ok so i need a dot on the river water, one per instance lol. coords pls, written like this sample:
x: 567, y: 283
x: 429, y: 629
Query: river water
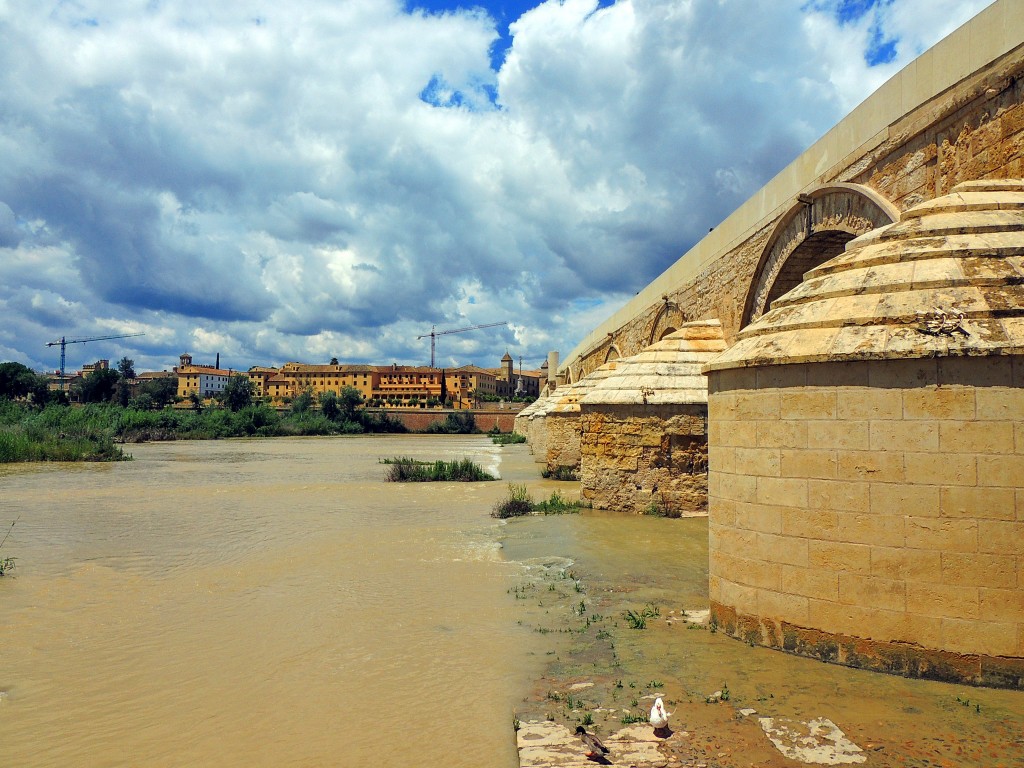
x: 260, y: 603
x: 277, y: 603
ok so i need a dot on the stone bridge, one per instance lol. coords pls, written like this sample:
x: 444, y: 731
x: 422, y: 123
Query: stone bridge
x: 835, y: 376
x: 954, y: 114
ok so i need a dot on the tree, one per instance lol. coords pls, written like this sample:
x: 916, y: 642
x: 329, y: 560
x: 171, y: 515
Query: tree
x: 334, y: 361
x: 443, y: 397
x: 142, y: 402
x: 99, y: 386
x: 302, y: 401
x: 162, y: 390
x: 349, y: 401
x: 17, y: 380
x: 126, y: 367
x: 238, y: 392
x: 329, y: 404
x: 122, y: 392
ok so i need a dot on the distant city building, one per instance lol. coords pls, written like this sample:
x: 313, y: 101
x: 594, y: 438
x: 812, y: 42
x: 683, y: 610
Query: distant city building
x: 380, y: 385
x: 509, y: 384
x: 202, y: 380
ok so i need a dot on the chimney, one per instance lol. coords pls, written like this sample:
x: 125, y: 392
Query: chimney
x: 217, y: 364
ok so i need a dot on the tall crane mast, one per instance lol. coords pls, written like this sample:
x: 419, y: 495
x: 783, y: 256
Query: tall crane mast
x: 63, y: 342
x: 434, y: 334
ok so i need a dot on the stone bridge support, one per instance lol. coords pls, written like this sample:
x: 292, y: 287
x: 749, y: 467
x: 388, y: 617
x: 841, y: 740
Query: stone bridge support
x: 866, y: 498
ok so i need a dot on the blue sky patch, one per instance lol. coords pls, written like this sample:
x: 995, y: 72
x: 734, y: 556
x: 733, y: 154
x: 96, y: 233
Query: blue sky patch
x: 881, y: 50
x: 852, y: 10
x: 504, y: 12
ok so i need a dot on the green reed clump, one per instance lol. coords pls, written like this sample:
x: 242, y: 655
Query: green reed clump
x: 42, y: 436
x: 405, y: 470
x: 519, y: 502
x: 556, y: 505
x: 510, y: 438
x: 561, y: 472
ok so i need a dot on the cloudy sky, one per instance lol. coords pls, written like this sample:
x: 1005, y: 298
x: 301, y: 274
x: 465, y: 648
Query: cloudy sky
x: 278, y: 181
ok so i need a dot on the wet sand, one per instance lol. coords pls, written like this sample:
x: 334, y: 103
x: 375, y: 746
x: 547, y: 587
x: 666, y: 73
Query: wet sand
x: 588, y: 570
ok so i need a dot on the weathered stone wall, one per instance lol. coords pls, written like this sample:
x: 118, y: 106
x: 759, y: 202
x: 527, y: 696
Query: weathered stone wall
x: 563, y: 441
x: 419, y: 420
x: 538, y: 437
x: 974, y: 130
x: 641, y: 458
x: 872, y: 513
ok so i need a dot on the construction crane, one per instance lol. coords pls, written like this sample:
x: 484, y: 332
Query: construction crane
x: 434, y: 334
x: 64, y: 342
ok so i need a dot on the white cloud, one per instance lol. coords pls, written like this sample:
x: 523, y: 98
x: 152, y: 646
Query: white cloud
x: 329, y: 179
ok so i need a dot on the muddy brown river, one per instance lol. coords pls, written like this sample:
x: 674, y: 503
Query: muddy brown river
x: 276, y: 603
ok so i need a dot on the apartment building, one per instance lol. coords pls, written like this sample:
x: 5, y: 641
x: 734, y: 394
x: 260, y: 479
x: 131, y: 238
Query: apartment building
x: 202, y: 380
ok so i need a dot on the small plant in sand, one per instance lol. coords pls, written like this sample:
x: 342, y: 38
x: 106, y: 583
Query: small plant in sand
x: 638, y: 619
x: 7, y: 563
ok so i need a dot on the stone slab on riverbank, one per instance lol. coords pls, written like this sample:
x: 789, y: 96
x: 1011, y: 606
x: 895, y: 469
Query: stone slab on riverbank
x: 546, y: 744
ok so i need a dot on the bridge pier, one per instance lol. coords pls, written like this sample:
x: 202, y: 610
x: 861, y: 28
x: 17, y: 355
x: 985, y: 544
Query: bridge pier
x: 866, y: 486
x: 867, y: 470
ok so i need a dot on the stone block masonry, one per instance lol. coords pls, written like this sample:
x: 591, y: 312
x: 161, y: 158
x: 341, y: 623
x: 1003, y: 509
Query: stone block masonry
x: 903, y: 553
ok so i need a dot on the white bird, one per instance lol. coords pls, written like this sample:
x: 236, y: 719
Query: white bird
x: 659, y: 717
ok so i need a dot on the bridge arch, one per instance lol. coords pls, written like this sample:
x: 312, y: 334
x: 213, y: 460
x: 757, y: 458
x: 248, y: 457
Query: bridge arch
x: 612, y: 353
x: 667, y: 321
x: 815, y: 229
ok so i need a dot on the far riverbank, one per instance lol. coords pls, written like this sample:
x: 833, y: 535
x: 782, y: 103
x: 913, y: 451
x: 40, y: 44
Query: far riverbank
x: 96, y: 432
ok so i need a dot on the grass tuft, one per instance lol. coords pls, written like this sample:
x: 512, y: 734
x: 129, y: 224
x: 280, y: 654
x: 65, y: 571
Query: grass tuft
x: 405, y: 470
x: 511, y: 438
x: 519, y: 503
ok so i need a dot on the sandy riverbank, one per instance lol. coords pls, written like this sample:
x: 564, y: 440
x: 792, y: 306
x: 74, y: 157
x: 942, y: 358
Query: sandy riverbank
x: 588, y: 571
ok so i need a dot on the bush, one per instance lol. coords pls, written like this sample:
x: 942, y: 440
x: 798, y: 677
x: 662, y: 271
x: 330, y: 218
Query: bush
x: 459, y: 423
x: 517, y: 504
x: 406, y: 470
x: 512, y: 438
x: 556, y: 505
x: 561, y: 472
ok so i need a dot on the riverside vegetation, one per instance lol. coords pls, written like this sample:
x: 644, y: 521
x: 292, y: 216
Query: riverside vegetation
x: 519, y: 502
x: 403, y: 469
x: 93, y: 432
x: 39, y: 425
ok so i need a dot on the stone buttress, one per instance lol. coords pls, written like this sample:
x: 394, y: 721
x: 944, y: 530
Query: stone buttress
x: 644, y: 439
x: 867, y: 451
